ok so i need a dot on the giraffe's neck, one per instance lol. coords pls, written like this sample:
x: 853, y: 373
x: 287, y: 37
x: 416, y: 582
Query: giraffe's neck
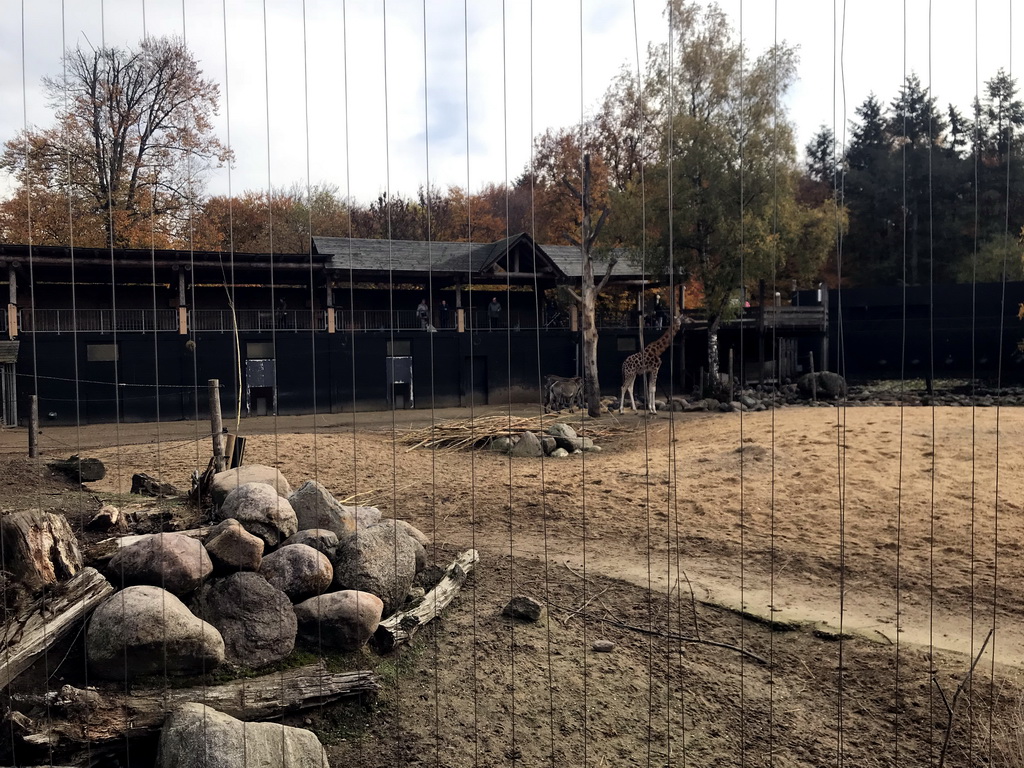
x: 658, y: 346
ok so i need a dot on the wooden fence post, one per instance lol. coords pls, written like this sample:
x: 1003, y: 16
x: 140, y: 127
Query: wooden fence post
x: 33, y: 427
x: 216, y: 426
x: 732, y: 389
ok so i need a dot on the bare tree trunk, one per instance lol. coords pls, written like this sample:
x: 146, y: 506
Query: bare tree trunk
x: 591, y: 383
x: 713, y: 357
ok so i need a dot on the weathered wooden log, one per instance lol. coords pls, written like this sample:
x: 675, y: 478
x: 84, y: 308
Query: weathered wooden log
x: 101, y: 552
x: 40, y: 549
x: 146, y: 485
x: 47, y: 620
x: 399, y: 628
x: 78, y: 469
x: 80, y: 717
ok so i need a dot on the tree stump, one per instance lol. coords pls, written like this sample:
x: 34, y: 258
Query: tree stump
x: 146, y: 485
x: 40, y: 548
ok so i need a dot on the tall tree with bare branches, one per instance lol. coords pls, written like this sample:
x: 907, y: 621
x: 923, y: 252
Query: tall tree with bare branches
x: 132, y: 142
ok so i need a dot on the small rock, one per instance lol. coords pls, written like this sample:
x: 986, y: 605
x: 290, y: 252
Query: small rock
x: 561, y: 429
x: 232, y: 548
x: 342, y: 620
x: 525, y: 608
x: 320, y: 539
x: 528, y: 447
x: 559, y: 453
x: 603, y: 646
x: 298, y: 570
x: 501, y: 444
x: 548, y: 443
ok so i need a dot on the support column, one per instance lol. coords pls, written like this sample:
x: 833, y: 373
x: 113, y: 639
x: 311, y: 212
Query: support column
x: 460, y: 313
x: 12, y: 302
x: 331, y: 319
x: 574, y: 318
x: 182, y: 309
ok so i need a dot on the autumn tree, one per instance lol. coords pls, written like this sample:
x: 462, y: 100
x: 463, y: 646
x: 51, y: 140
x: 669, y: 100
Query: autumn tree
x: 132, y: 141
x: 720, y: 191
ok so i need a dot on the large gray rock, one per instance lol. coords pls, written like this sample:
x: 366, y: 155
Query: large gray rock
x: 315, y: 507
x: 255, y: 618
x: 380, y: 560
x: 561, y: 429
x: 344, y: 620
x: 173, y: 561
x: 528, y: 447
x: 146, y: 630
x: 827, y: 385
x: 320, y: 539
x: 196, y: 736
x: 413, y: 531
x: 232, y: 548
x: 225, y: 482
x: 298, y: 570
x: 261, y: 512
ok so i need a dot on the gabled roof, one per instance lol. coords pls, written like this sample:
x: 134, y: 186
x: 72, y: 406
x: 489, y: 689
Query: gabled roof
x: 557, y: 262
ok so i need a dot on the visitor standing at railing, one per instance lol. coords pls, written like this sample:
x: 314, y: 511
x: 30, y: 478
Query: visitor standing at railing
x: 494, y: 313
x: 423, y: 313
x: 442, y: 314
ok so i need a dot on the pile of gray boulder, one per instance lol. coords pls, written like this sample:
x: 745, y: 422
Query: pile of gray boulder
x: 560, y: 440
x: 279, y: 567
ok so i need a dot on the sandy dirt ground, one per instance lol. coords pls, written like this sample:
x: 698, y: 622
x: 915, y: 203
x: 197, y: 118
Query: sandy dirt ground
x: 888, y: 540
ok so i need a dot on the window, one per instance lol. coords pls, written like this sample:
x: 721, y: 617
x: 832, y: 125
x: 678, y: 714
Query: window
x: 401, y: 348
x: 259, y: 350
x: 101, y: 353
x: 626, y: 344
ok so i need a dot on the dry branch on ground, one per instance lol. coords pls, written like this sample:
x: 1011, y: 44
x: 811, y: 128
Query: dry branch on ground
x: 465, y: 434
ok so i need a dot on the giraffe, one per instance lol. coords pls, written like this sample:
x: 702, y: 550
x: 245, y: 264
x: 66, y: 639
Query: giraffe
x: 647, y: 361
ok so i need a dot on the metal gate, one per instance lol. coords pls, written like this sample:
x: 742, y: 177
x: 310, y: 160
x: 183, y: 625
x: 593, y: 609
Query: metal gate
x: 9, y: 395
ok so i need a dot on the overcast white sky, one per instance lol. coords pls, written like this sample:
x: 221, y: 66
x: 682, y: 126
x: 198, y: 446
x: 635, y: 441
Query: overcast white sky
x: 298, y: 117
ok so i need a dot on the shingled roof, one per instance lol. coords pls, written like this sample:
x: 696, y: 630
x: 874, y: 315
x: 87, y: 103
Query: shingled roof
x: 414, y: 257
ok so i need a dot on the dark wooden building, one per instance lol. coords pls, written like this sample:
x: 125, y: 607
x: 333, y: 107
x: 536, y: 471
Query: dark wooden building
x: 108, y: 334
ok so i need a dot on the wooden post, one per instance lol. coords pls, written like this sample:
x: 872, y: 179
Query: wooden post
x: 460, y: 313
x: 574, y: 318
x: 332, y: 321
x: 12, y: 302
x: 760, y: 331
x: 33, y: 427
x: 182, y: 309
x: 216, y: 426
x: 814, y: 379
x: 732, y: 389
x: 824, y: 335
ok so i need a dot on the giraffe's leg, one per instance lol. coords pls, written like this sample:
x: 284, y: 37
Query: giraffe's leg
x: 652, y: 386
x: 627, y: 384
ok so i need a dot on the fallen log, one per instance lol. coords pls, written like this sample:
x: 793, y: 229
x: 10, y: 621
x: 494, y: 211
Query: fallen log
x: 47, y: 620
x: 79, y: 470
x: 90, y: 718
x: 399, y: 628
x: 101, y: 552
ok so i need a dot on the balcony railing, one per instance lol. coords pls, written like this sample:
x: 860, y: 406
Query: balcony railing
x: 257, y: 320
x: 96, y: 320
x: 370, y: 320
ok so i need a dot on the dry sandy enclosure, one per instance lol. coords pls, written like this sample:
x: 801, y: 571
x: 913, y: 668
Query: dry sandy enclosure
x: 860, y: 556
